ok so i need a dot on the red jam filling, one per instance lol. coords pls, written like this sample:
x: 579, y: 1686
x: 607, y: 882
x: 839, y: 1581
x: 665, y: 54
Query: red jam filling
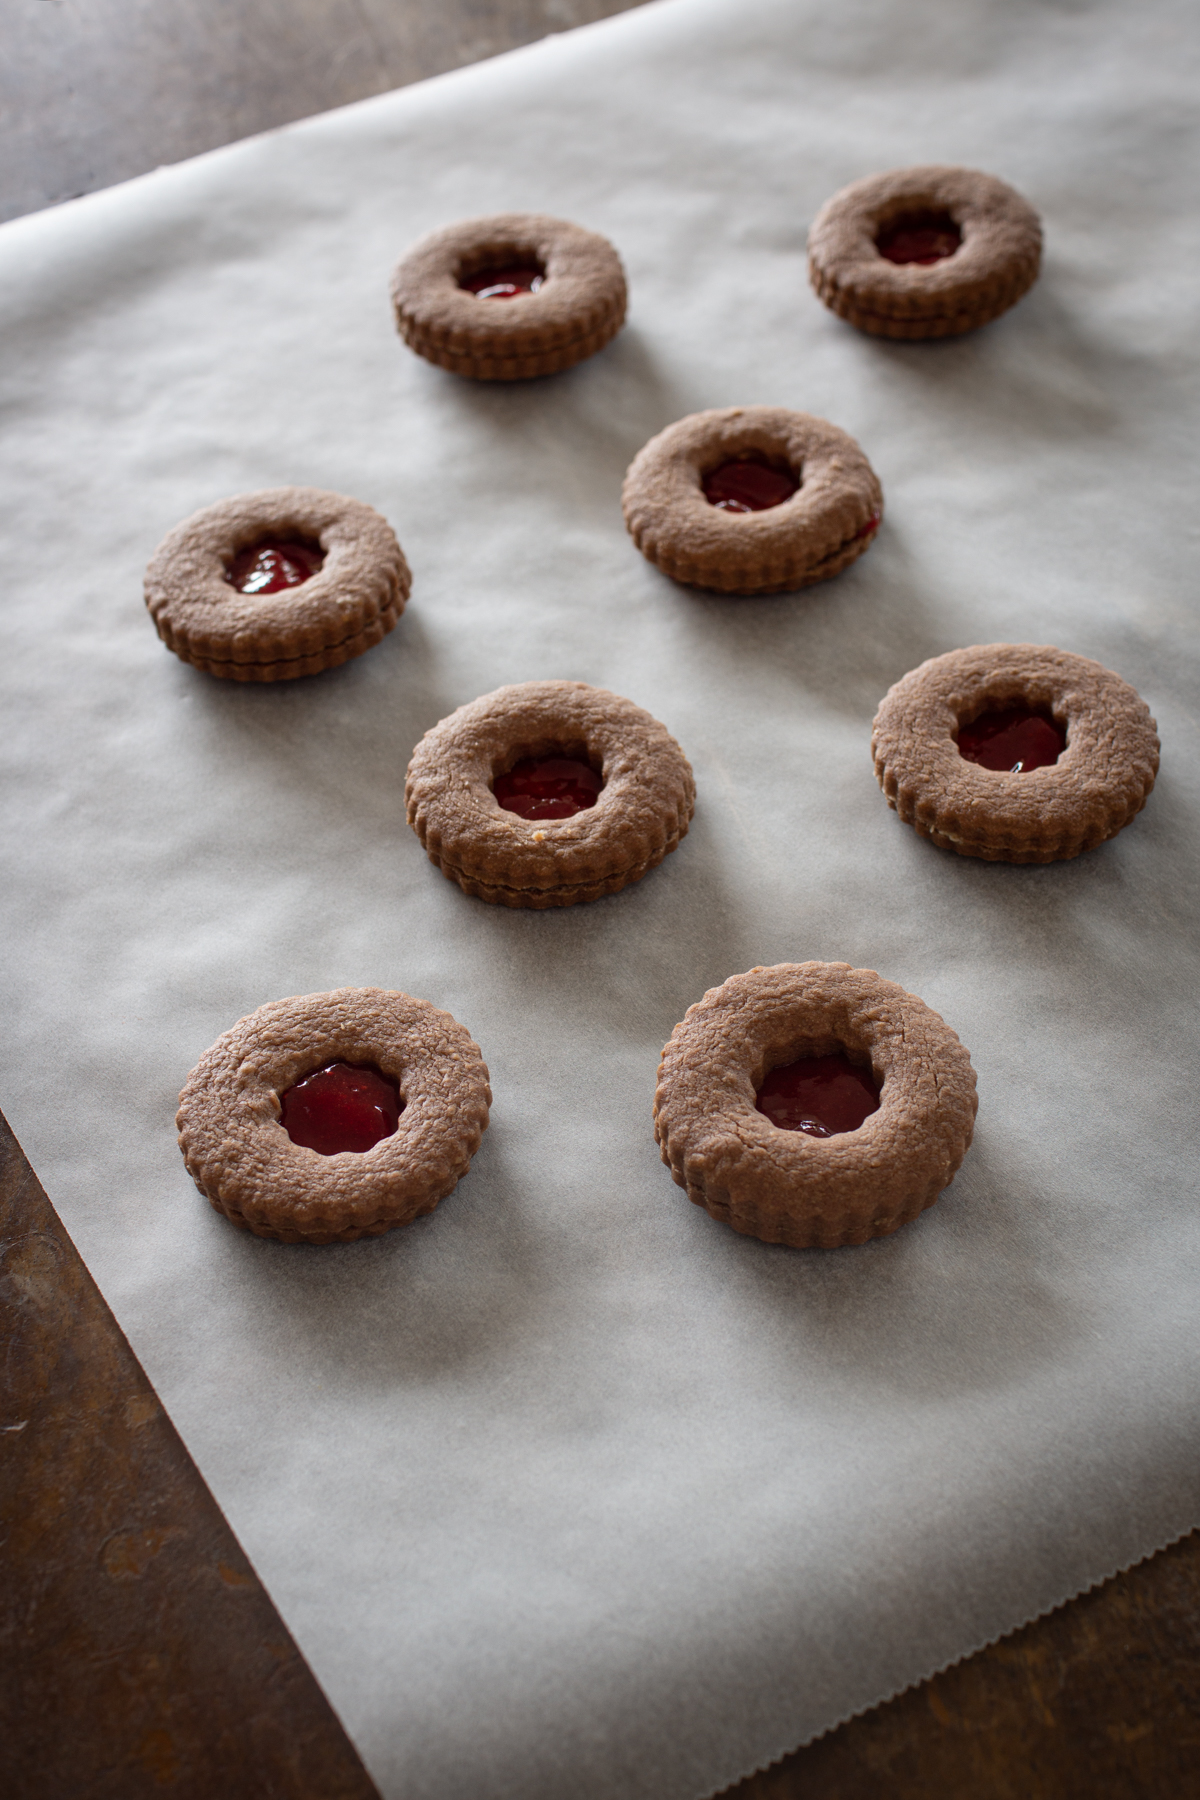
x: 547, y: 787
x: 344, y: 1106
x: 505, y: 283
x: 928, y: 238
x: 273, y: 565
x: 746, y: 486
x: 819, y: 1095
x: 1015, y: 740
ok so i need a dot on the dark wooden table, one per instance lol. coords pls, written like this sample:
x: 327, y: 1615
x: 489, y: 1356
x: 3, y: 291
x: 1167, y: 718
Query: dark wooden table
x: 140, y: 1654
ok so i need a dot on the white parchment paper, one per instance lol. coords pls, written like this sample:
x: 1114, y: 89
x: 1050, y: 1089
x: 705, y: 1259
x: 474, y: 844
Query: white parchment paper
x: 568, y: 1489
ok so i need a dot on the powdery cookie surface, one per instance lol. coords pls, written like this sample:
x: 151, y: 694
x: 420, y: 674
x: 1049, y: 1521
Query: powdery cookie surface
x: 996, y: 262
x: 351, y: 603
x: 1100, y: 782
x: 244, y: 1162
x: 642, y: 811
x: 826, y: 524
x: 784, y: 1186
x: 580, y: 306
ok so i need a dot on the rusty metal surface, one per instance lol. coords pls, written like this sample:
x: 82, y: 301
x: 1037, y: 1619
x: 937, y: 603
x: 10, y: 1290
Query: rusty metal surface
x: 139, y: 1653
x: 1099, y: 1699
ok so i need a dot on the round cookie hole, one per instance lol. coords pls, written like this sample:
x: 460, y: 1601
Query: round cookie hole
x: 1012, y: 740
x: 750, y: 483
x: 271, y: 564
x: 520, y: 273
x: 549, y: 782
x: 341, y: 1107
x: 923, y: 237
x: 823, y: 1095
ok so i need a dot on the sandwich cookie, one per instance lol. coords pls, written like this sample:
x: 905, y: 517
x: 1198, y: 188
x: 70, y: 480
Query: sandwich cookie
x: 752, y: 500
x: 509, y: 297
x: 1015, y: 753
x: 813, y: 1104
x: 548, y: 793
x: 335, y: 1116
x: 924, y: 253
x: 269, y: 586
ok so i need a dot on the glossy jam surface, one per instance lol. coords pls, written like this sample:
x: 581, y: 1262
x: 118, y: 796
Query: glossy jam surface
x: 926, y: 238
x: 274, y: 564
x: 505, y: 283
x: 746, y: 486
x: 344, y: 1106
x: 547, y: 787
x: 1015, y: 740
x: 819, y: 1095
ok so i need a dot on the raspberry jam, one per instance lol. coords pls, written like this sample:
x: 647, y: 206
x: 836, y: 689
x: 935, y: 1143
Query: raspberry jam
x: 746, y: 486
x: 547, y: 787
x: 505, y: 283
x: 925, y: 238
x: 344, y: 1106
x: 819, y: 1095
x: 1015, y: 740
x: 274, y: 564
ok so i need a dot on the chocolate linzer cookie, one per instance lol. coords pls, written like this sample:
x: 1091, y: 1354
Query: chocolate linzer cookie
x: 1015, y: 752
x: 330, y: 1117
x: 272, y: 585
x: 813, y: 1104
x: 924, y: 253
x: 548, y: 793
x: 752, y: 500
x: 508, y: 297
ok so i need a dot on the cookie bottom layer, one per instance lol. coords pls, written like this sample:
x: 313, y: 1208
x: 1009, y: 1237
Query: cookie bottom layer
x: 925, y: 325
x: 478, y: 367
x: 289, y: 669
x: 1063, y: 849
x: 325, y: 1231
x: 780, y: 1225
x: 568, y: 894
x: 760, y: 586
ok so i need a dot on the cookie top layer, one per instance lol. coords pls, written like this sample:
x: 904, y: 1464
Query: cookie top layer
x: 1100, y: 782
x: 826, y: 524
x: 784, y: 1186
x: 578, y: 308
x: 996, y: 261
x: 357, y: 594
x: 640, y: 814
x: 244, y: 1162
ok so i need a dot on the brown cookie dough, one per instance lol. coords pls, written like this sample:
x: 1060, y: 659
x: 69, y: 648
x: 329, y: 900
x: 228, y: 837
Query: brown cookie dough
x: 577, y: 309
x: 996, y: 260
x: 784, y: 1186
x: 826, y: 524
x: 350, y: 603
x: 1100, y: 782
x: 642, y: 811
x: 244, y: 1162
